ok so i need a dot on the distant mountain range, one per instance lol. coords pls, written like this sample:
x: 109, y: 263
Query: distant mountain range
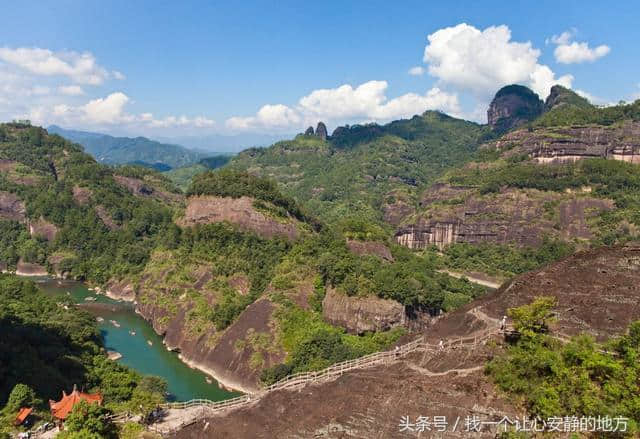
x: 139, y: 150
x: 227, y: 143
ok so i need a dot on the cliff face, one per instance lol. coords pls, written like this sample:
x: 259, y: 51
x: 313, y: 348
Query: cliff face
x: 29, y: 269
x: 512, y: 106
x: 235, y: 357
x: 238, y: 211
x: 455, y: 214
x: 43, y: 229
x: 143, y: 188
x: 362, y: 314
x: 596, y: 292
x: 177, y: 301
x: 560, y: 95
x: 370, y: 248
x: 11, y: 207
x: 548, y: 145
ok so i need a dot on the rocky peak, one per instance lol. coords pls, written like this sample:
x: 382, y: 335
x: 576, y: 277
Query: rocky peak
x: 309, y: 132
x: 512, y: 106
x: 321, y: 131
x: 563, y: 96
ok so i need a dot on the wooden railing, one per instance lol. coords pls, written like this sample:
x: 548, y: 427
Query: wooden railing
x: 301, y: 379
x: 210, y: 405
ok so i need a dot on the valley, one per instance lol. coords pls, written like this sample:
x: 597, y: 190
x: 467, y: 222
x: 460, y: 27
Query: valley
x: 324, y: 249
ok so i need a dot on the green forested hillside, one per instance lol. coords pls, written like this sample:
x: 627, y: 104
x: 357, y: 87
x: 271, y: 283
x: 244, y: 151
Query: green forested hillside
x: 182, y: 176
x: 358, y: 167
x: 90, y: 249
x: 575, y: 113
x: 104, y: 231
x: 120, y: 150
x: 200, y: 278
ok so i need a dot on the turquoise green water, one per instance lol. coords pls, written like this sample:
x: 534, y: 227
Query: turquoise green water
x: 140, y: 346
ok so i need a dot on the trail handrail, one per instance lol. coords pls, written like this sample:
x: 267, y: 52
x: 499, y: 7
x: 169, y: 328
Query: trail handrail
x: 301, y: 379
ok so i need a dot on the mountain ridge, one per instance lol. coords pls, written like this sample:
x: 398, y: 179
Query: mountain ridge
x: 122, y: 150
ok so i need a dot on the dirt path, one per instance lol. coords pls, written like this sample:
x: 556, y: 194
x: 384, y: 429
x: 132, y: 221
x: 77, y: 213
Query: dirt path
x: 427, y: 372
x: 471, y: 278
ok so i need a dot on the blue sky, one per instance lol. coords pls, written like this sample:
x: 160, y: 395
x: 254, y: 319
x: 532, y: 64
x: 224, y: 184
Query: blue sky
x: 195, y: 68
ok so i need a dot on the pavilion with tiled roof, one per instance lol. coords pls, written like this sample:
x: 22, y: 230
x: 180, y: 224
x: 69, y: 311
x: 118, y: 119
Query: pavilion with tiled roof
x: 61, y: 409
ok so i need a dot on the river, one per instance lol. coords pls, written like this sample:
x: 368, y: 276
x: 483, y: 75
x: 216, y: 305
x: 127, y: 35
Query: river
x: 142, y: 349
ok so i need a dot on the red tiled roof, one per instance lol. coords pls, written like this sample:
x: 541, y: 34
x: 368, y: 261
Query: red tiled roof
x: 22, y: 415
x: 62, y: 408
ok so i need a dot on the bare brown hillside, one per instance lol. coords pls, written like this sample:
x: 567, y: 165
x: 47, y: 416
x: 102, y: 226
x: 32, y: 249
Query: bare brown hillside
x: 597, y: 291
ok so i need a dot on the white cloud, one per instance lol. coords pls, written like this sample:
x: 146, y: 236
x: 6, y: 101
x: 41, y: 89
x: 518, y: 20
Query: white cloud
x: 482, y: 61
x: 416, y: 71
x: 80, y: 67
x: 70, y: 90
x: 571, y: 52
x: 118, y: 75
x: 366, y: 102
x: 412, y: 103
x: 268, y: 117
x: 579, y: 53
x: 345, y: 101
x: 563, y: 38
x: 107, y: 110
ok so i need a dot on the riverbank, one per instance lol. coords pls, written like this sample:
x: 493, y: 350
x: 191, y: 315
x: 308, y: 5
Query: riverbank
x: 129, y: 334
x: 223, y: 381
x: 227, y: 384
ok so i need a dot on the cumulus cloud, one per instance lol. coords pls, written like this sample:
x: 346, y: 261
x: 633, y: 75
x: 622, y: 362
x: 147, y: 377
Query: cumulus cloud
x: 80, y: 67
x: 119, y: 75
x: 70, y: 90
x: 564, y: 38
x: 107, y: 110
x: 268, y: 117
x: 345, y: 103
x: 579, y: 53
x: 105, y: 113
x: 482, y: 61
x: 573, y: 52
x: 416, y: 71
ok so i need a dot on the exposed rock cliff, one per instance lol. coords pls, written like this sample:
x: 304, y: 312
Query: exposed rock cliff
x: 238, y: 211
x: 11, y: 207
x: 512, y: 106
x: 106, y: 218
x: 30, y: 269
x: 597, y: 292
x: 545, y: 145
x: 370, y: 248
x: 457, y: 214
x: 560, y: 95
x: 235, y: 356
x: 142, y: 188
x: 121, y: 290
x: 321, y: 131
x: 43, y: 229
x: 362, y: 314
x: 81, y: 195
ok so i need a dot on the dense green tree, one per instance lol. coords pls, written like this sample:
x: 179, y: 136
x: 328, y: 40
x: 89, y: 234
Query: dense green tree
x: 89, y: 420
x: 21, y: 396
